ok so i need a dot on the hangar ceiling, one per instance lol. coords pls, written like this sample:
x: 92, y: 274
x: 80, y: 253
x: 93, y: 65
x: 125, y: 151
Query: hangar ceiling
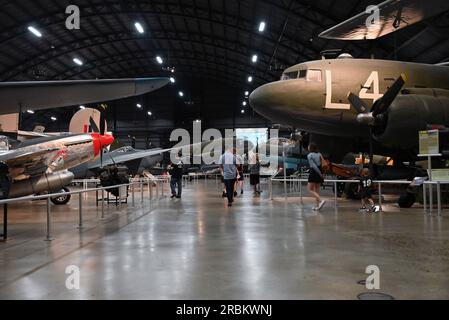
x: 210, y: 44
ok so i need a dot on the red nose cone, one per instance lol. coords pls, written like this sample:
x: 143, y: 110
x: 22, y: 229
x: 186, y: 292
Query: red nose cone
x: 106, y: 140
x: 101, y: 142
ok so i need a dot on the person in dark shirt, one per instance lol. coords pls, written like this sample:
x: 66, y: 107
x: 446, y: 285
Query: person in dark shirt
x: 176, y: 171
x: 366, y: 191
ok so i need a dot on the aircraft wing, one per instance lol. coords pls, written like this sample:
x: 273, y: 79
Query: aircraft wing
x: 111, y: 158
x: 394, y: 15
x: 37, y: 95
x: 27, y: 163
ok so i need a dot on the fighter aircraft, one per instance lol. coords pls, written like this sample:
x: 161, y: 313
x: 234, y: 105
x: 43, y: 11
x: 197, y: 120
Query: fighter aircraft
x: 40, y: 165
x: 136, y: 161
x: 392, y: 101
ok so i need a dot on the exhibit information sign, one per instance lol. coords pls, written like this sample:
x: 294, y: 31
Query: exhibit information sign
x: 441, y: 175
x: 429, y: 142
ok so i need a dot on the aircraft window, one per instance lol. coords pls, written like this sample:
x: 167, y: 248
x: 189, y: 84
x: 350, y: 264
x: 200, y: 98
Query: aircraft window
x: 302, y: 73
x: 290, y: 75
x: 314, y: 75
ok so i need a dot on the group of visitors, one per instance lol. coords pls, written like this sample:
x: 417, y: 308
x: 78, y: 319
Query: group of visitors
x: 231, y: 167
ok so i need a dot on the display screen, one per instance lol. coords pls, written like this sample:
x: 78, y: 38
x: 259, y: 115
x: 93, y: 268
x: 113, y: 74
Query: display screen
x: 256, y: 136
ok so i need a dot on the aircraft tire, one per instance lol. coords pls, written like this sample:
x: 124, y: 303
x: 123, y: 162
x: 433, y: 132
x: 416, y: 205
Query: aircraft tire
x: 63, y: 200
x: 407, y: 200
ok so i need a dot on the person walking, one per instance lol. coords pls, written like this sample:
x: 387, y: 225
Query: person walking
x: 228, y: 167
x: 176, y: 171
x: 254, y: 177
x: 240, y: 176
x: 316, y: 176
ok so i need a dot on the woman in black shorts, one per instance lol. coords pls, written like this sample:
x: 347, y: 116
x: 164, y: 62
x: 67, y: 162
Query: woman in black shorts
x: 316, y: 177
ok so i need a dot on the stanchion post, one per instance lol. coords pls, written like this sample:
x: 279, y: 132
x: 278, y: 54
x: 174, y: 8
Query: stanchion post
x: 80, y: 205
x: 380, y: 195
x: 49, y: 237
x: 102, y: 203
x: 141, y: 190
x: 424, y: 195
x: 133, y: 197
x: 439, y: 197
x: 335, y: 194
x: 5, y: 221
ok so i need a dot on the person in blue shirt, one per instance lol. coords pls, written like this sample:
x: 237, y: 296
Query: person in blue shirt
x: 316, y: 176
x: 228, y: 167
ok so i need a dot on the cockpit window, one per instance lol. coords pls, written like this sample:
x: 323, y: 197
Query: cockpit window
x: 314, y: 75
x: 290, y: 75
x: 302, y: 73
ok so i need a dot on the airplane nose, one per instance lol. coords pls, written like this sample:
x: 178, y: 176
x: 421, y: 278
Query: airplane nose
x: 268, y: 98
x: 106, y: 140
x: 278, y: 100
x: 101, y: 141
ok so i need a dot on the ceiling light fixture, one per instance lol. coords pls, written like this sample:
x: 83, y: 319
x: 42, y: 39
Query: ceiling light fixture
x: 159, y: 60
x: 139, y: 106
x: 262, y: 26
x: 78, y: 61
x: 246, y: 93
x: 254, y: 58
x: 250, y: 79
x: 172, y: 80
x: 30, y: 111
x: 34, y: 31
x: 181, y: 94
x: 53, y: 118
x: 139, y: 27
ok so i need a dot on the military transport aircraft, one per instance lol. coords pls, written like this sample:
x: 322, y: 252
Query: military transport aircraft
x: 316, y: 97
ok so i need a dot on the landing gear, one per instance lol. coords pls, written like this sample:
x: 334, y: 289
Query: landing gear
x: 62, y: 200
x: 407, y: 200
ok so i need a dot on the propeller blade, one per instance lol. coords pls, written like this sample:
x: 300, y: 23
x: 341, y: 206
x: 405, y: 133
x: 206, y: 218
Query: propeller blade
x: 382, y: 105
x: 357, y: 103
x: 102, y: 123
x: 93, y: 125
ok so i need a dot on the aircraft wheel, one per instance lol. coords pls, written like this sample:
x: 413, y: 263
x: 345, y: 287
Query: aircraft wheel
x: 407, y: 200
x: 62, y: 200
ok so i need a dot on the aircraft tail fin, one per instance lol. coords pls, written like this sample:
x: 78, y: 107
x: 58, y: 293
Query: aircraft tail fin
x: 86, y: 121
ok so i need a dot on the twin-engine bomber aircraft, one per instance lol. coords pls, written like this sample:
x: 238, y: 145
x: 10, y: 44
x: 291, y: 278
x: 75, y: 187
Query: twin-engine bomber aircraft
x: 392, y: 101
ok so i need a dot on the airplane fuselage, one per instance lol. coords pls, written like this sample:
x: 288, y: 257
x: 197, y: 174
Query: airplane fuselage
x: 312, y: 96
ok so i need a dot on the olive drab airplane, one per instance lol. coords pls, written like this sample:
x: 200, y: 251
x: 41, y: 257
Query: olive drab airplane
x: 345, y: 102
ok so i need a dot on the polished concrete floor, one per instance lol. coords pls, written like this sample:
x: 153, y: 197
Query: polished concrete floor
x: 197, y: 248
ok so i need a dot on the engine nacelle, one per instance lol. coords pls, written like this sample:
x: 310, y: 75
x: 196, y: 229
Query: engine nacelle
x: 46, y: 183
x: 408, y: 115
